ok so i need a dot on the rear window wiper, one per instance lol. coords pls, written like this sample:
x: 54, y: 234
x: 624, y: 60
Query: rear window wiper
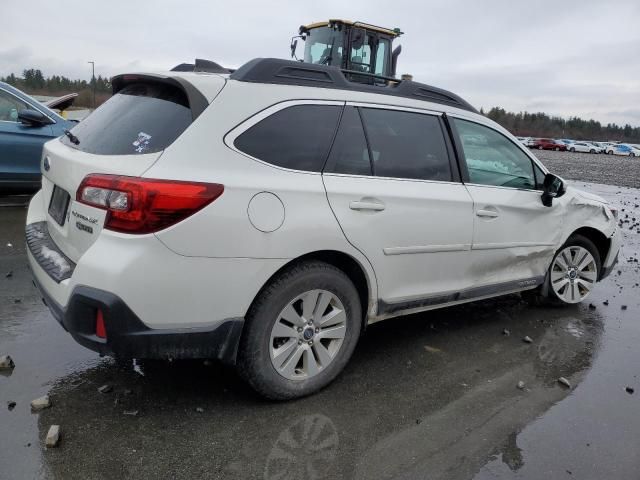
x: 72, y: 137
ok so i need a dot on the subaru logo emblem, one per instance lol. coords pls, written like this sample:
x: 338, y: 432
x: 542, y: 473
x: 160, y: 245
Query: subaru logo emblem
x: 46, y: 164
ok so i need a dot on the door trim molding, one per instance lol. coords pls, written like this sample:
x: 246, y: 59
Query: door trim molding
x: 426, y: 249
x: 473, y: 293
x: 496, y: 246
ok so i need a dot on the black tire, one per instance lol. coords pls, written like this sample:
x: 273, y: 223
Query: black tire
x: 544, y: 294
x: 254, y: 361
x: 540, y: 147
x: 572, y: 149
x: 557, y: 149
x: 632, y: 154
x: 592, y: 151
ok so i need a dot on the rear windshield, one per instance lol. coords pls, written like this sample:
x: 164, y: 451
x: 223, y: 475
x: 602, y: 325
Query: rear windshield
x: 140, y: 118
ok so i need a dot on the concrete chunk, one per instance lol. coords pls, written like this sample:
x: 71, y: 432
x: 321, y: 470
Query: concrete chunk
x: 53, y: 436
x: 40, y: 403
x: 105, y: 388
x: 565, y: 382
x: 6, y: 363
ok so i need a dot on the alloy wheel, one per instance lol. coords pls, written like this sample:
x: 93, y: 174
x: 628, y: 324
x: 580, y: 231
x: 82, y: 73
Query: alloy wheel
x: 307, y: 334
x: 573, y: 274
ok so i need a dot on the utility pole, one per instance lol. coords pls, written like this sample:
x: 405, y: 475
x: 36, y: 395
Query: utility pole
x: 93, y: 80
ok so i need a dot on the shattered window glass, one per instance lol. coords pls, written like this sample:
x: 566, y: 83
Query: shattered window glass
x: 492, y: 159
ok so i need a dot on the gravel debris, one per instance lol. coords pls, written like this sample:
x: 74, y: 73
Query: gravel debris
x: 105, y: 388
x: 7, y: 363
x: 565, y: 382
x: 590, y: 167
x: 40, y: 403
x: 53, y: 436
x: 527, y: 339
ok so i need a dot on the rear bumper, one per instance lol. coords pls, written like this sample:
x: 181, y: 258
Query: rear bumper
x: 128, y: 337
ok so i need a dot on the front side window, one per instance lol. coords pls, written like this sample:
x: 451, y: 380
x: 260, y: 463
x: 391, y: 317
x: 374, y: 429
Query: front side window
x: 10, y: 107
x: 297, y: 137
x: 406, y: 145
x: 492, y: 159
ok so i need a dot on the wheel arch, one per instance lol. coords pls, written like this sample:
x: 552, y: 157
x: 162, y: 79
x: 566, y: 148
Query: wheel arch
x: 362, y: 279
x: 599, y: 239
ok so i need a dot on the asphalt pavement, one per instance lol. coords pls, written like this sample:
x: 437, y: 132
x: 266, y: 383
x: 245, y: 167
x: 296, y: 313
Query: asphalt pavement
x: 431, y: 395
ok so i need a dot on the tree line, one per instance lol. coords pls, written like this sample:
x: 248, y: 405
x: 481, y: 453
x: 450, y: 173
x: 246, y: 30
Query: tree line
x: 34, y: 82
x: 525, y: 124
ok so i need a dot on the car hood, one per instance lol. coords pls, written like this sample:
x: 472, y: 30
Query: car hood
x: 62, y: 103
x: 589, y: 196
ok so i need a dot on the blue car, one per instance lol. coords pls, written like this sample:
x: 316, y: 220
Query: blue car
x: 25, y: 125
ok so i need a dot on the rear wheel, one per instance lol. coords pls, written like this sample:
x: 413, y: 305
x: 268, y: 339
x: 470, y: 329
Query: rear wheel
x: 632, y: 154
x: 300, y: 331
x: 592, y: 151
x: 572, y: 149
x: 556, y: 149
x: 540, y: 147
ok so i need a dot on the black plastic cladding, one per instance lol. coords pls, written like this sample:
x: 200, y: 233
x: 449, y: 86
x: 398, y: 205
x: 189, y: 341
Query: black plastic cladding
x: 287, y: 72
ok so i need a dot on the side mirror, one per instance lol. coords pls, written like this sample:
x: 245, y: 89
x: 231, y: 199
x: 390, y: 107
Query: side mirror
x: 553, y: 187
x: 33, y: 118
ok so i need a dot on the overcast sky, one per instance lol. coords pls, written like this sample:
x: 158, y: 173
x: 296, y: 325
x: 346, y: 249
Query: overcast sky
x: 563, y: 57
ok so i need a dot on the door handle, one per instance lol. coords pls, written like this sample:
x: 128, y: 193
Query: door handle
x: 486, y: 213
x: 367, y: 205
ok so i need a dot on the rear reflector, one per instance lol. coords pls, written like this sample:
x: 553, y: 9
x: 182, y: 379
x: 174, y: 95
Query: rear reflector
x: 144, y: 205
x: 101, y: 331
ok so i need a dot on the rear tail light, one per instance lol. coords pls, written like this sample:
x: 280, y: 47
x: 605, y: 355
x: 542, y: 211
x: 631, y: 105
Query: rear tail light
x: 143, y: 205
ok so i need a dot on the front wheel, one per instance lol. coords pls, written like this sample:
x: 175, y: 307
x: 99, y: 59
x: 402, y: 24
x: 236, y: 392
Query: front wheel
x: 632, y: 154
x: 574, y: 271
x: 592, y: 151
x: 300, y: 331
x: 572, y: 149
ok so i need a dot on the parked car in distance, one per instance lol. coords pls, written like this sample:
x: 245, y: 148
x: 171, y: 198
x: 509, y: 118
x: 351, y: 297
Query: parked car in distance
x: 549, y: 144
x: 565, y: 141
x: 624, y: 149
x: 248, y: 218
x: 25, y: 125
x: 584, y: 147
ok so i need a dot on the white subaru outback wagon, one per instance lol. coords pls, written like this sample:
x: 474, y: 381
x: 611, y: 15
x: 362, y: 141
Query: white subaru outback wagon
x: 265, y: 217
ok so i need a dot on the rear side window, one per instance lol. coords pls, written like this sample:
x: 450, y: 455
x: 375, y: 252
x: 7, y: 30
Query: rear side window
x: 406, y: 145
x: 350, y: 154
x: 140, y: 118
x: 297, y: 137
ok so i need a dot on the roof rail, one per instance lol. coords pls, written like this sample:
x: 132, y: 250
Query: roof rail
x: 287, y: 72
